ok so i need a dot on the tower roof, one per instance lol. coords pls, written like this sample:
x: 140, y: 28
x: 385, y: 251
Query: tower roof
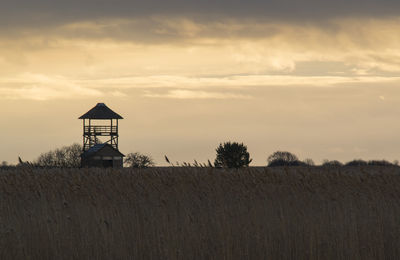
x: 101, y: 111
x: 105, y: 149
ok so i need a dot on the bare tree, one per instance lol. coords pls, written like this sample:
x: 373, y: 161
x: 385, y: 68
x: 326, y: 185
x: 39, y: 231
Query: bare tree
x: 65, y: 157
x: 138, y: 160
x: 280, y: 158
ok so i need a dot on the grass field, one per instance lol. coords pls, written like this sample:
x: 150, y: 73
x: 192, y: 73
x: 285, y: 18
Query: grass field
x: 201, y: 213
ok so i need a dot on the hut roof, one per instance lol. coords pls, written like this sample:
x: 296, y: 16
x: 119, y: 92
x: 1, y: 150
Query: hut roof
x: 101, y: 111
x: 99, y: 147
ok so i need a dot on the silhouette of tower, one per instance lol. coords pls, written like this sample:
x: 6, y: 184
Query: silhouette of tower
x: 100, y: 138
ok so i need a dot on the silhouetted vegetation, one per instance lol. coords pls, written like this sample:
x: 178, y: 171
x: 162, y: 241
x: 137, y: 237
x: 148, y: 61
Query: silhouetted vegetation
x: 281, y: 158
x: 380, y: 163
x: 232, y: 155
x: 357, y: 162
x: 197, y: 213
x: 333, y: 163
x: 65, y: 157
x: 229, y: 155
x: 5, y: 165
x: 309, y: 162
x: 194, y: 164
x: 138, y: 160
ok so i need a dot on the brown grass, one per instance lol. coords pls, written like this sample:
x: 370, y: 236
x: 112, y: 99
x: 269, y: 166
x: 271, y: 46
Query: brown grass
x: 199, y: 213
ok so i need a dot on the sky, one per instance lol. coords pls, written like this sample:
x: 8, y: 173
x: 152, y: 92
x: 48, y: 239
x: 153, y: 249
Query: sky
x: 317, y: 78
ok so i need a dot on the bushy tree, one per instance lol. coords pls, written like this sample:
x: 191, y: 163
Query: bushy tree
x: 309, y: 162
x: 232, y: 155
x: 281, y: 158
x: 380, y: 163
x: 357, y: 162
x: 138, y: 160
x: 333, y: 163
x: 65, y: 157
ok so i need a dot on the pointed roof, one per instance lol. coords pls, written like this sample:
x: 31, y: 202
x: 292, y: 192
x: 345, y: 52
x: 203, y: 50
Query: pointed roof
x: 101, y: 111
x: 98, y: 147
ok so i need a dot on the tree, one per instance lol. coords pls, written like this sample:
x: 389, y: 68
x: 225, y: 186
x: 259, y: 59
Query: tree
x: 357, y: 162
x: 280, y: 158
x: 138, y: 160
x: 309, y: 162
x: 333, y: 163
x: 232, y: 155
x: 64, y: 157
x: 380, y: 163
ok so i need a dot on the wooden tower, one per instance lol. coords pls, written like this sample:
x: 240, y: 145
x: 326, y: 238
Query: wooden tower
x: 100, y: 138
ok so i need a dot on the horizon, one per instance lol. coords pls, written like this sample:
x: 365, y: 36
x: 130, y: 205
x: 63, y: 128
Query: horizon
x: 317, y: 79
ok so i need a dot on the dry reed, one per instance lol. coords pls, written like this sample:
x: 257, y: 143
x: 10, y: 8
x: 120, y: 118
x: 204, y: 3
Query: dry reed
x: 201, y: 213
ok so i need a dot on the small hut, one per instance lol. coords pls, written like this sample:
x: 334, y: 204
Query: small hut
x: 102, y: 155
x: 100, y: 138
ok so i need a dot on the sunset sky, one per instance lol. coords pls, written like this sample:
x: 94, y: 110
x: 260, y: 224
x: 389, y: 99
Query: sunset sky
x: 317, y: 78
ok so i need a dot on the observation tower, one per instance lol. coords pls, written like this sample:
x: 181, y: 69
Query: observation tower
x: 100, y: 138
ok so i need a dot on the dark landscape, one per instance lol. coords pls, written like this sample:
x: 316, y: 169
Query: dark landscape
x: 200, y: 213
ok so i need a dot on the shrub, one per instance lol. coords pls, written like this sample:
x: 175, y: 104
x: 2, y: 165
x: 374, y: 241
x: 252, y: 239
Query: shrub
x: 232, y: 155
x: 138, y: 160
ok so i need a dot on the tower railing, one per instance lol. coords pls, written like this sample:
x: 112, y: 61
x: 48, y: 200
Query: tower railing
x: 101, y: 130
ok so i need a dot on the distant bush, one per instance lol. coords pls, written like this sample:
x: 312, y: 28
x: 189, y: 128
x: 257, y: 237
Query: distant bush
x: 380, y: 163
x: 232, y: 155
x: 65, y: 157
x: 138, y: 160
x: 333, y: 163
x: 309, y: 162
x: 5, y: 165
x: 357, y: 162
x: 280, y: 158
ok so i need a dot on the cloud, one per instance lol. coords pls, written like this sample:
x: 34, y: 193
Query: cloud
x: 41, y: 87
x: 118, y: 94
x: 45, y: 87
x: 189, y: 57
x: 42, y: 12
x: 353, y: 50
x: 191, y: 94
x: 362, y: 46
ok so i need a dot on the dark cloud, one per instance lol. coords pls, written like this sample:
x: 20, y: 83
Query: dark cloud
x: 48, y: 12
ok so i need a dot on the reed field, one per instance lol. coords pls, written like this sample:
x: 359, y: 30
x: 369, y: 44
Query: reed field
x: 200, y: 213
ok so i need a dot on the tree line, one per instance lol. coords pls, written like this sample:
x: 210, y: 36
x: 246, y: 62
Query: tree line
x: 235, y: 155
x: 228, y: 155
